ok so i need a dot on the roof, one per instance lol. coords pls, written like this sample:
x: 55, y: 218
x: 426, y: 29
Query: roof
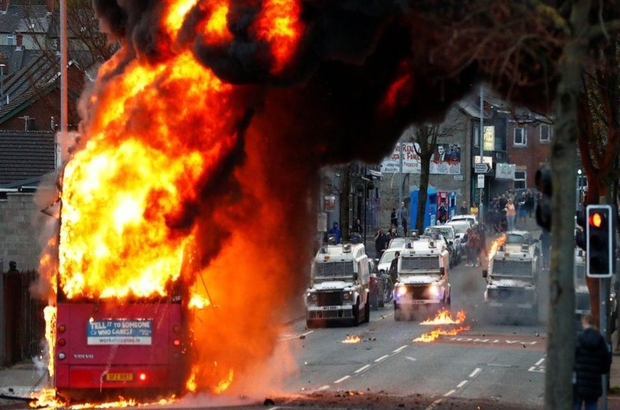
x: 25, y: 19
x: 25, y: 157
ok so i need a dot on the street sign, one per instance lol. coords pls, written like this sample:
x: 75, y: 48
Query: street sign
x: 480, y: 181
x: 482, y: 168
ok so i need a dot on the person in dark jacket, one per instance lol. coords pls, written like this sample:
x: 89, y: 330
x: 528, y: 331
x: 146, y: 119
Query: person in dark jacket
x: 592, y: 360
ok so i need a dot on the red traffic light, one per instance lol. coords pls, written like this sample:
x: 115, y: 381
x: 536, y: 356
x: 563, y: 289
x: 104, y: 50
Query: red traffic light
x: 596, y: 219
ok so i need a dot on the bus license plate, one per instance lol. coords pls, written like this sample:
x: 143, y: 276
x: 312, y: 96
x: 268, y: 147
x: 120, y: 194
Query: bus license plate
x: 119, y: 377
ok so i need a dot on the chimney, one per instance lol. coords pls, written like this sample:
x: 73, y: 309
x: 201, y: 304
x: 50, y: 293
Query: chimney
x: 19, y: 39
x: 50, y: 6
x: 5, y: 6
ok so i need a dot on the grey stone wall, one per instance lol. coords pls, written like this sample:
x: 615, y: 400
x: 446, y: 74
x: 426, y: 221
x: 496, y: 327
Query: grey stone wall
x: 18, y: 235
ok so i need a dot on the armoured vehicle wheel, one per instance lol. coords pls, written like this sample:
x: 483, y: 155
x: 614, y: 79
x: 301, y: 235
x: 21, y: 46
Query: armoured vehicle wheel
x: 367, y: 313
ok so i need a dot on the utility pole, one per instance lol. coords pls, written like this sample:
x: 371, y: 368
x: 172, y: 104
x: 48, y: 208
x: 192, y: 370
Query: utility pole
x: 64, y: 82
x: 399, y: 222
x: 481, y: 143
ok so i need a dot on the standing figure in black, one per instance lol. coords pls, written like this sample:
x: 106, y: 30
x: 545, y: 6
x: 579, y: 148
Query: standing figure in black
x: 545, y: 245
x: 592, y: 360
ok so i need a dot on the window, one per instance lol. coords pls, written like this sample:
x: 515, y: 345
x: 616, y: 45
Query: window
x: 545, y: 132
x: 10, y: 40
x: 520, y: 136
x: 520, y: 181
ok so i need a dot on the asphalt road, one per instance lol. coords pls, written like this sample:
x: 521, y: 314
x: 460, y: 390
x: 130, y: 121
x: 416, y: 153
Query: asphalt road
x: 501, y: 363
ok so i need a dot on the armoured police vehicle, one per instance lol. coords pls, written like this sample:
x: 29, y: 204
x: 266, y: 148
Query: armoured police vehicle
x: 423, y: 280
x: 339, y: 287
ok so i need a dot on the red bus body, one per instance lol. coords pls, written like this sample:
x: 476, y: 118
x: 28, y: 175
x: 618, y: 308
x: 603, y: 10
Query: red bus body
x: 135, y: 349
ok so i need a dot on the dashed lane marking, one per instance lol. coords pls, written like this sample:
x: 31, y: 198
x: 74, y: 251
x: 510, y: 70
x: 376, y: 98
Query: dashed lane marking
x: 382, y: 358
x: 342, y: 379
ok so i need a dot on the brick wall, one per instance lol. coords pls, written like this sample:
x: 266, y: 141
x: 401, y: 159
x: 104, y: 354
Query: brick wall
x: 530, y: 156
x: 18, y: 241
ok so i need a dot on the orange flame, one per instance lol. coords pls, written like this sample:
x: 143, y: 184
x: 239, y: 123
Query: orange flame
x: 352, y: 339
x: 495, y: 246
x: 434, y: 334
x: 279, y: 24
x: 443, y: 317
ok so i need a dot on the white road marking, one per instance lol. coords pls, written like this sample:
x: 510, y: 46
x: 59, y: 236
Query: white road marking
x: 538, y: 363
x: 323, y: 387
x: 399, y: 349
x: 342, y: 379
x: 413, y: 359
x: 450, y: 393
x: 475, y: 372
x: 361, y: 369
x: 461, y: 384
x: 382, y: 358
x: 434, y: 404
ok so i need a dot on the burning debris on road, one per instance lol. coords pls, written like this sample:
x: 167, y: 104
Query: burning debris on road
x: 443, y: 317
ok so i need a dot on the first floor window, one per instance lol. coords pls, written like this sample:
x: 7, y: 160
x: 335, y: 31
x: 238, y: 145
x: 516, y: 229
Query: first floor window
x: 520, y: 136
x: 520, y: 181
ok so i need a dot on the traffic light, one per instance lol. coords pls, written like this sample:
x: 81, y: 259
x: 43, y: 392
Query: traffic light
x: 580, y: 229
x: 543, y: 209
x: 599, y: 241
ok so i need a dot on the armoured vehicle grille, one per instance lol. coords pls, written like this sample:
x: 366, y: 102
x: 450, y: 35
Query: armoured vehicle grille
x: 430, y: 263
x: 334, y: 269
x: 512, y: 267
x: 417, y: 292
x: 329, y: 298
x: 514, y: 295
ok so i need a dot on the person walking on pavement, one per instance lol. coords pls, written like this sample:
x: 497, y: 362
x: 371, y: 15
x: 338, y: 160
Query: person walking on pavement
x: 592, y: 360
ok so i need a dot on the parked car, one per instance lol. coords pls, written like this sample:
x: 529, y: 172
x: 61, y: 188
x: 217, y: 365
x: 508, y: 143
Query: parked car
x: 471, y: 219
x: 397, y: 243
x: 449, y: 235
x: 460, y: 229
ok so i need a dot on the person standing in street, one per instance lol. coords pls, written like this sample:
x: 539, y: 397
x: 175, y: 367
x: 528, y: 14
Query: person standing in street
x: 545, y: 245
x: 404, y: 217
x: 381, y: 242
x: 335, y: 231
x: 464, y: 209
x: 393, y: 219
x: 592, y: 361
x: 511, y: 214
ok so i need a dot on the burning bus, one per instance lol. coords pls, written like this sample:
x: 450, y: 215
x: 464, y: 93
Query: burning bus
x: 135, y: 347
